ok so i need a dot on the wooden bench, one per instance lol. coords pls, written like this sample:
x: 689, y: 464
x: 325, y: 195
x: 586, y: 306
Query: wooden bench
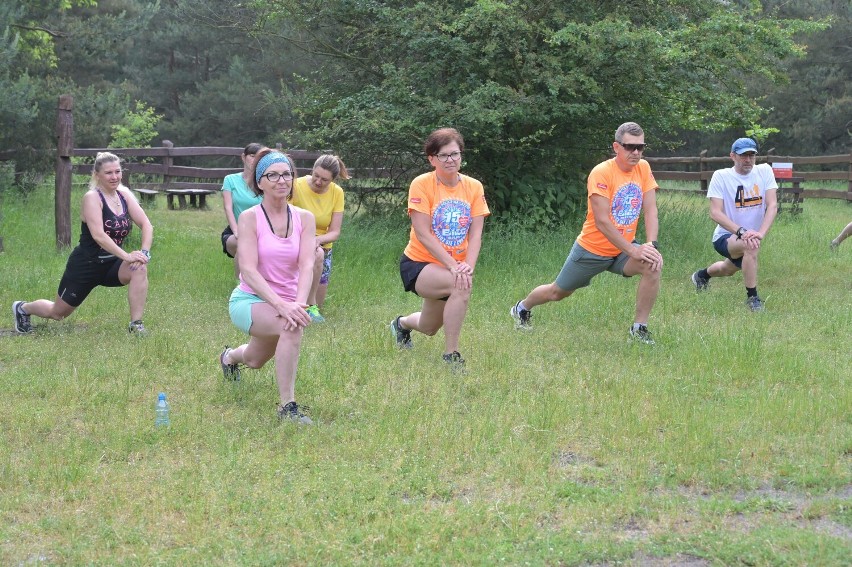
x: 792, y: 195
x: 197, y: 198
x: 146, y: 196
x: 181, y: 182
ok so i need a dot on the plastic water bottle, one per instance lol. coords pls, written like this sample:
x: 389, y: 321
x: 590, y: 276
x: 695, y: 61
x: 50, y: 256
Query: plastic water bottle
x: 162, y: 411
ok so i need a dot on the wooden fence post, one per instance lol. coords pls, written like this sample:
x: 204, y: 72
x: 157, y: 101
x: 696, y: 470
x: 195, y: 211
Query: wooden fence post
x: 168, y: 162
x: 64, y: 148
x: 703, y: 181
x: 849, y: 183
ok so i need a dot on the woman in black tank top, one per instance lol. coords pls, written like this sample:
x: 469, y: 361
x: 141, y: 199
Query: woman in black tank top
x: 108, y: 214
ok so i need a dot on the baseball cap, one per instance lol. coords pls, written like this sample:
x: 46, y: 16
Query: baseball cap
x: 743, y: 145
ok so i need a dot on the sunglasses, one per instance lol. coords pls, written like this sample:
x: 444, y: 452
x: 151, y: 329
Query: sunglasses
x: 632, y: 147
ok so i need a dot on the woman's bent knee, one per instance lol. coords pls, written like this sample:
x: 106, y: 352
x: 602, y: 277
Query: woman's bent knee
x: 254, y: 363
x: 430, y: 331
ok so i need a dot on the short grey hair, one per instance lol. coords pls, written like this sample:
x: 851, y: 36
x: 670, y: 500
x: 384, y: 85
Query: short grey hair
x: 628, y: 128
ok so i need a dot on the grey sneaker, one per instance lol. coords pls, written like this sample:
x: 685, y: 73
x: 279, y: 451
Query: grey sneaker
x: 642, y: 335
x: 400, y: 335
x: 522, y: 317
x: 137, y: 328
x: 754, y: 303
x: 454, y: 360
x: 701, y: 284
x: 22, y: 320
x: 231, y: 372
x: 293, y: 412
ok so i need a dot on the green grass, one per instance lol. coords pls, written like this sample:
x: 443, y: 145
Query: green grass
x: 730, y: 442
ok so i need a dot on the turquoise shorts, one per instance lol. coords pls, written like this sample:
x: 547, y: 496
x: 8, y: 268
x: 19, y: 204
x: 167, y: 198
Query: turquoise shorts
x: 239, y: 307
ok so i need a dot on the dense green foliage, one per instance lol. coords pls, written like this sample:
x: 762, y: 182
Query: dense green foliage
x: 137, y: 129
x: 537, y: 88
x: 728, y: 443
x: 815, y: 108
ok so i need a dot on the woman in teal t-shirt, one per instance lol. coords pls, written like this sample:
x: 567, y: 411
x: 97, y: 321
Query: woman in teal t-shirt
x: 237, y: 196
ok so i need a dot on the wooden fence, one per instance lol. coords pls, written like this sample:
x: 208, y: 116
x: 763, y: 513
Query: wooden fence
x: 179, y: 182
x: 198, y: 182
x: 703, y: 167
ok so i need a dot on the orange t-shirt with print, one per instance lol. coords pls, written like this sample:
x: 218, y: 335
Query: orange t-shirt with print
x: 624, y: 190
x: 450, y: 210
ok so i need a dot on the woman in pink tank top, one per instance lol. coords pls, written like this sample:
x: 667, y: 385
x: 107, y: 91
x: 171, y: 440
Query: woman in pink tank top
x: 276, y: 262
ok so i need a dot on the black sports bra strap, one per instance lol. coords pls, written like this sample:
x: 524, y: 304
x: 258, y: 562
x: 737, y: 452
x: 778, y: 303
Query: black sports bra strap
x: 269, y: 222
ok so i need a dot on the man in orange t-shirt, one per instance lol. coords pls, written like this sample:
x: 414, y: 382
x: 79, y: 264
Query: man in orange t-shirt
x: 619, y: 190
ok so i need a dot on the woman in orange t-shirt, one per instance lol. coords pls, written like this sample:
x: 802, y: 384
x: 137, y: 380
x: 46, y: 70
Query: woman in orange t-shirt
x: 447, y: 211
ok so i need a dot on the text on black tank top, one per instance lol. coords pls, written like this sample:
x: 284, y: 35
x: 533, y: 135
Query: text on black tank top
x: 116, y: 226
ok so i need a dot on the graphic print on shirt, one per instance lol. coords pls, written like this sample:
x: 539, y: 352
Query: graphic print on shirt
x: 451, y: 221
x: 117, y: 227
x: 745, y: 199
x: 626, y: 205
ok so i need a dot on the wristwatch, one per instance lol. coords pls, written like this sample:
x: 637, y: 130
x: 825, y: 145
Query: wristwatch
x: 653, y: 243
x: 147, y: 253
x: 740, y: 231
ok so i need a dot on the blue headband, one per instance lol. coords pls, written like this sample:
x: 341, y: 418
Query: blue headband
x: 266, y: 161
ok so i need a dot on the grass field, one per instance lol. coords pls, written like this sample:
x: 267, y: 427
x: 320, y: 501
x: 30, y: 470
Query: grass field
x: 727, y: 443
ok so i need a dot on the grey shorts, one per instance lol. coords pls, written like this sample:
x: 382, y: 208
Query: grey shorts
x: 581, y: 266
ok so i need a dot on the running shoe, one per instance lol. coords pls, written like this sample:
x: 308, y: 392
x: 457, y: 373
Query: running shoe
x: 400, y: 335
x: 22, y: 320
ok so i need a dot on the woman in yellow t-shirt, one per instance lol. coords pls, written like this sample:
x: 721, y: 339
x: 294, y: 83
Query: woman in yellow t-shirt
x: 319, y: 194
x: 447, y: 211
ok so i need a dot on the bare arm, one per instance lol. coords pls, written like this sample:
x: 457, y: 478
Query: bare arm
x: 422, y: 224
x: 644, y: 253
x: 92, y: 215
x: 306, y: 257
x: 333, y: 230
x: 140, y: 219
x: 474, y: 242
x: 292, y: 313
x: 600, y: 210
x: 771, y: 201
x: 247, y: 259
x: 228, y: 204
x: 464, y: 270
x: 717, y: 213
x: 649, y: 213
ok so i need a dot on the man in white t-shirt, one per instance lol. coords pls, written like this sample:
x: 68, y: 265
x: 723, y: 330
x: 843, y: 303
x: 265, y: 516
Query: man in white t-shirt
x: 743, y: 204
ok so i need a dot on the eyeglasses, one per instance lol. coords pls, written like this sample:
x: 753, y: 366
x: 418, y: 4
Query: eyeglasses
x: 275, y: 177
x: 632, y: 147
x: 455, y: 156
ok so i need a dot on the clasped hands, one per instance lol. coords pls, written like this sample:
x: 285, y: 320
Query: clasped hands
x: 462, y: 275
x: 137, y: 259
x: 751, y: 239
x: 293, y: 315
x: 650, y: 255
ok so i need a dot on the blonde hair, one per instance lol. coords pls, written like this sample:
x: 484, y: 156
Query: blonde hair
x: 332, y: 164
x: 100, y: 160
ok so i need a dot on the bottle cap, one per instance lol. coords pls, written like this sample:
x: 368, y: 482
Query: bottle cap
x: 162, y: 396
